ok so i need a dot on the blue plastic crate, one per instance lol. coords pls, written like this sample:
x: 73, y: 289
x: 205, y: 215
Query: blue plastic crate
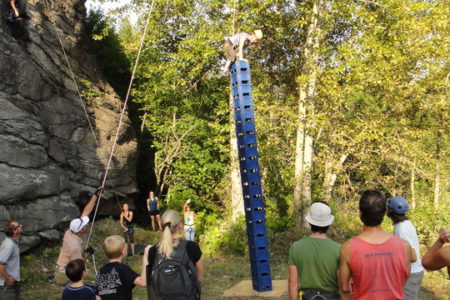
x: 241, y: 76
x: 260, y: 256
x: 243, y: 101
x: 259, y: 243
x: 244, y: 90
x: 261, y: 282
x: 251, y: 214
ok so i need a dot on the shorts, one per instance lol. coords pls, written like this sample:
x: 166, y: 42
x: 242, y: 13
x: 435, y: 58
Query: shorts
x: 412, y: 286
x: 8, y: 292
x: 230, y: 50
x: 129, y: 235
x: 154, y: 212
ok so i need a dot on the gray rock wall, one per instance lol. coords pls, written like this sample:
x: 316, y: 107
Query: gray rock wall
x: 48, y: 153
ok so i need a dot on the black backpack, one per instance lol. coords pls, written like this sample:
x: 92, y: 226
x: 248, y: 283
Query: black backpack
x: 174, y: 278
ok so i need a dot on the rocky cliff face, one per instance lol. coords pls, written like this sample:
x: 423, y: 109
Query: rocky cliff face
x: 48, y: 153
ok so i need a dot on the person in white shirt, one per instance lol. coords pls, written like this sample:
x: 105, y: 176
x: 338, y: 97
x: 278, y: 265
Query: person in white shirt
x: 403, y: 228
x: 10, y: 262
x: 189, y: 226
x: 236, y: 44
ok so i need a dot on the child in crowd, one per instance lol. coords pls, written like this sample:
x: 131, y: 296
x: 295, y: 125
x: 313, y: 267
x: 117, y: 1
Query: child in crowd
x: 115, y: 279
x: 76, y: 271
x: 403, y: 228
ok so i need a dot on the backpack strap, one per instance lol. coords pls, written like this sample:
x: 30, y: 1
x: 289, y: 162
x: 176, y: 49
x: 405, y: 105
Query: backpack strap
x: 181, y: 252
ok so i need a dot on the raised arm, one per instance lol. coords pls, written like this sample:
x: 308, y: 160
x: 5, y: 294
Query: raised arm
x: 14, y: 8
x: 89, y: 206
x: 438, y: 256
x: 142, y: 280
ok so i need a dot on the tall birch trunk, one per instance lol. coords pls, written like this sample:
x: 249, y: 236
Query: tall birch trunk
x: 304, y: 145
x: 437, y: 176
x: 411, y: 185
x: 237, y: 198
x: 331, y: 173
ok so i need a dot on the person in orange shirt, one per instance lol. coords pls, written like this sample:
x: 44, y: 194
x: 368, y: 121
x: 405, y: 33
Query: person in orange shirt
x: 376, y: 261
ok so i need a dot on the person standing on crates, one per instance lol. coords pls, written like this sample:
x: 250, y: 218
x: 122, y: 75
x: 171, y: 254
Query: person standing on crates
x: 314, y: 260
x: 236, y: 44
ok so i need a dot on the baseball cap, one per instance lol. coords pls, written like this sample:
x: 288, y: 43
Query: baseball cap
x: 319, y: 214
x: 399, y: 205
x: 77, y: 224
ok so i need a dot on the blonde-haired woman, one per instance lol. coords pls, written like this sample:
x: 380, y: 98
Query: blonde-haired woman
x: 171, y: 246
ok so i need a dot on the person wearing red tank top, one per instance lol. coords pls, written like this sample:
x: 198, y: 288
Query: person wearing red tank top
x: 376, y: 262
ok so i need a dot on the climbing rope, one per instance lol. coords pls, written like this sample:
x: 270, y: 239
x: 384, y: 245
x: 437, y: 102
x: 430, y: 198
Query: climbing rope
x: 234, y: 17
x: 113, y: 146
x: 52, y: 20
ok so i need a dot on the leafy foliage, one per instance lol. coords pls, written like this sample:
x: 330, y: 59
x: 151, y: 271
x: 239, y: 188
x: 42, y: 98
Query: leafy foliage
x: 379, y: 119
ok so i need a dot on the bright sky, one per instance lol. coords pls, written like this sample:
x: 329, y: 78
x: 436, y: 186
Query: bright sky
x: 110, y: 5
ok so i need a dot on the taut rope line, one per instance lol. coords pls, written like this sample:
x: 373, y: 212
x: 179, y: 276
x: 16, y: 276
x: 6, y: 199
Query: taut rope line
x: 73, y: 78
x: 113, y: 146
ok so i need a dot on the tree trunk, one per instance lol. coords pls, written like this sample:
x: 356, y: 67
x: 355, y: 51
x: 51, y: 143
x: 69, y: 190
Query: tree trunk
x: 237, y: 198
x: 331, y: 173
x: 411, y: 185
x: 304, y: 145
x: 437, y: 176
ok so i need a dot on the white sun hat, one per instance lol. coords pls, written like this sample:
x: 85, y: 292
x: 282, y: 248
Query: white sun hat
x: 319, y: 214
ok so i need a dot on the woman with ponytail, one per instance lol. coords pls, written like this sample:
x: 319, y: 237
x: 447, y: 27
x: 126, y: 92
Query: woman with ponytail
x: 172, y: 247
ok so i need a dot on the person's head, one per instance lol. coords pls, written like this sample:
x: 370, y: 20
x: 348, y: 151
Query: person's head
x: 319, y: 217
x: 12, y: 229
x: 76, y: 270
x: 151, y: 194
x: 125, y: 207
x: 256, y: 36
x: 79, y: 225
x: 171, y: 224
x: 372, y: 207
x: 397, y: 209
x: 115, y: 247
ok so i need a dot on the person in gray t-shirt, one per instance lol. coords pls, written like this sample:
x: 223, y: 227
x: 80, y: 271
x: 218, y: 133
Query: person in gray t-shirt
x: 10, y: 262
x: 235, y: 45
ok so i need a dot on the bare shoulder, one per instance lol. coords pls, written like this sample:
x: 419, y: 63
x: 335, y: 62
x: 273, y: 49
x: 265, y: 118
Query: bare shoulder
x: 406, y: 245
x: 345, y: 249
x: 346, y: 245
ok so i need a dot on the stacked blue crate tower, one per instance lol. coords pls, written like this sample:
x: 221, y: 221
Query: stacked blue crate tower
x: 244, y: 118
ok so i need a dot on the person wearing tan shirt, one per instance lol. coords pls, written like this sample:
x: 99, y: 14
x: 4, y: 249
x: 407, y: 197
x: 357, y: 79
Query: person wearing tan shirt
x: 72, y: 247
